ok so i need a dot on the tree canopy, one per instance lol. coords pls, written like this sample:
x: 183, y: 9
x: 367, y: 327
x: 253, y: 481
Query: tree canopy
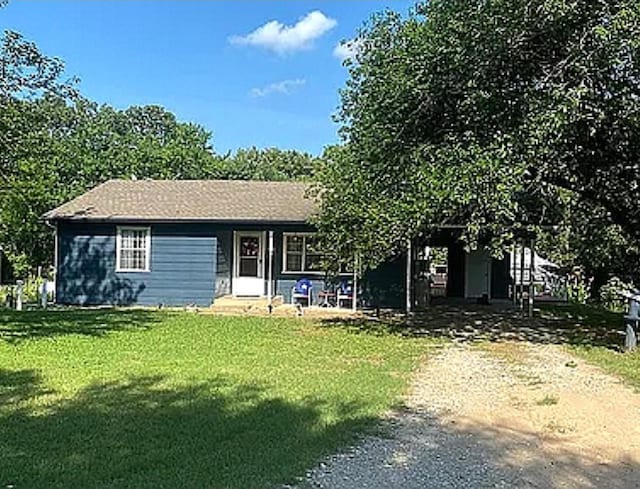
x: 481, y: 113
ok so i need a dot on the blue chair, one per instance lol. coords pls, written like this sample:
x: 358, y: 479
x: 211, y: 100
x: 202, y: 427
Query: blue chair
x: 344, y: 292
x: 302, y: 291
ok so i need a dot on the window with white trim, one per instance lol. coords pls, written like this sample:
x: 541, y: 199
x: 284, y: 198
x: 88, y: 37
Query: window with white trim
x: 133, y: 246
x: 301, y: 253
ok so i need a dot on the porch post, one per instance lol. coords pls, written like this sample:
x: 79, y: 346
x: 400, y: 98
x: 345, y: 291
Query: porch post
x: 354, y: 292
x: 55, y: 261
x: 270, y: 270
x: 532, y: 269
x: 408, y: 303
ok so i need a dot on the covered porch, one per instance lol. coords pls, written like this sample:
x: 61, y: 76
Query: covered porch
x: 263, y: 265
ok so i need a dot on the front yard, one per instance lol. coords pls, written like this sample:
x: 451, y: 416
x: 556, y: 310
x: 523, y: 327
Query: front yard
x: 149, y: 399
x: 142, y: 399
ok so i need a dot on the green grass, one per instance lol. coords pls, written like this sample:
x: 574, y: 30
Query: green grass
x: 624, y: 365
x: 142, y: 399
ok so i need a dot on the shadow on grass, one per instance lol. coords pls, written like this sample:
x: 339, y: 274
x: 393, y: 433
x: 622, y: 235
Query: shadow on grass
x: 558, y: 324
x: 16, y: 326
x: 143, y: 434
x: 20, y: 385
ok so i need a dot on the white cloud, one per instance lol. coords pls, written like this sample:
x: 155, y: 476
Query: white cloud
x: 284, y: 38
x: 347, y: 49
x: 284, y: 87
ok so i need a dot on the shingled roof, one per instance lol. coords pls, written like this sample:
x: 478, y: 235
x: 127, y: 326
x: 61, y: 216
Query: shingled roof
x: 191, y: 200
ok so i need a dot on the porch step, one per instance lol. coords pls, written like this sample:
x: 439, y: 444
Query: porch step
x: 230, y: 303
x: 250, y: 307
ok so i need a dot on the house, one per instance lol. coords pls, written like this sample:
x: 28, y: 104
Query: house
x: 182, y: 242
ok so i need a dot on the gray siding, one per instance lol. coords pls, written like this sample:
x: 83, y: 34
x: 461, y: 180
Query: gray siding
x: 182, y: 266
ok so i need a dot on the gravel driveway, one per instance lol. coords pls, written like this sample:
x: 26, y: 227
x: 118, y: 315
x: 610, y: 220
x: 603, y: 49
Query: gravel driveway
x: 510, y: 415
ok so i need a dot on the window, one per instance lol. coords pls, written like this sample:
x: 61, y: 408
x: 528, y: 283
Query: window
x: 301, y: 253
x: 133, y: 247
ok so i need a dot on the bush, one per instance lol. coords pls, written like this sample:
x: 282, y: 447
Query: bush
x: 610, y: 295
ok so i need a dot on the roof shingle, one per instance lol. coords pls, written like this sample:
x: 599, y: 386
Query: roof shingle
x: 191, y: 200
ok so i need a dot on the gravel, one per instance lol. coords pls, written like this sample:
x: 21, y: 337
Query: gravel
x: 474, y: 419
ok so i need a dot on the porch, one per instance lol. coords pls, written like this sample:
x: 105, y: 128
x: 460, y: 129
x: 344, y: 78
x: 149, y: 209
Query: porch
x: 263, y: 266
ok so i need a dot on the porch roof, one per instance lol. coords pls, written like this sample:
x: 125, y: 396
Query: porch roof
x: 191, y: 200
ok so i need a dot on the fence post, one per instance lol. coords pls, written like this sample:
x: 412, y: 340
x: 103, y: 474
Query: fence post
x: 44, y: 294
x: 19, y: 290
x: 631, y: 321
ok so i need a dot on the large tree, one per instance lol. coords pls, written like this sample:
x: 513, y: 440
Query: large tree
x: 475, y: 112
x: 58, y: 150
x: 25, y: 75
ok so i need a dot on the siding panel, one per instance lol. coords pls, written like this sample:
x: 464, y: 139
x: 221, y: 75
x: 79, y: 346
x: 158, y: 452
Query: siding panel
x: 182, y: 266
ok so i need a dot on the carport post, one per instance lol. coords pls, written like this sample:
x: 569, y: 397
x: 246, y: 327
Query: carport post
x: 354, y: 292
x: 408, y: 284
x: 514, y: 273
x: 532, y: 269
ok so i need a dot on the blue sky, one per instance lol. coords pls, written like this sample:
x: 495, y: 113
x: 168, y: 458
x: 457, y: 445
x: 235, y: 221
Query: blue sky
x: 263, y: 73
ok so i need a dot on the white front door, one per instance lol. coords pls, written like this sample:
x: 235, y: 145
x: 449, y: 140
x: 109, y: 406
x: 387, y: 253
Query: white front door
x: 478, y: 274
x: 248, y: 269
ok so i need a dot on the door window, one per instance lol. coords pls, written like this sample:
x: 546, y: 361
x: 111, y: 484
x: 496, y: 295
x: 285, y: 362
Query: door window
x: 249, y: 256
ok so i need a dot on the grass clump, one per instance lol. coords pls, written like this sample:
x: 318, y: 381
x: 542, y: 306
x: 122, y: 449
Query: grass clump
x: 548, y: 400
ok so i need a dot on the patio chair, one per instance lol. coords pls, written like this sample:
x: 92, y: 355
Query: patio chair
x: 301, y: 291
x: 344, y: 292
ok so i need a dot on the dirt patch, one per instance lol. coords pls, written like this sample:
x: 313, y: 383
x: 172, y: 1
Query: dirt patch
x: 511, y: 415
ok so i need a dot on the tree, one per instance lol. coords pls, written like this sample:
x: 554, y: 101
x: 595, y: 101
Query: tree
x: 26, y: 72
x: 474, y: 112
x: 62, y: 149
x: 588, y: 240
x: 265, y: 164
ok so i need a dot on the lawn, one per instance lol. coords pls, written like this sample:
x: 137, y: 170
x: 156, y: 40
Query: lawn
x: 142, y: 399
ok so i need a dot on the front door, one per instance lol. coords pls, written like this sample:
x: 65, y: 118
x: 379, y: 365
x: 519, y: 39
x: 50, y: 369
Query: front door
x: 248, y: 277
x: 478, y: 276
